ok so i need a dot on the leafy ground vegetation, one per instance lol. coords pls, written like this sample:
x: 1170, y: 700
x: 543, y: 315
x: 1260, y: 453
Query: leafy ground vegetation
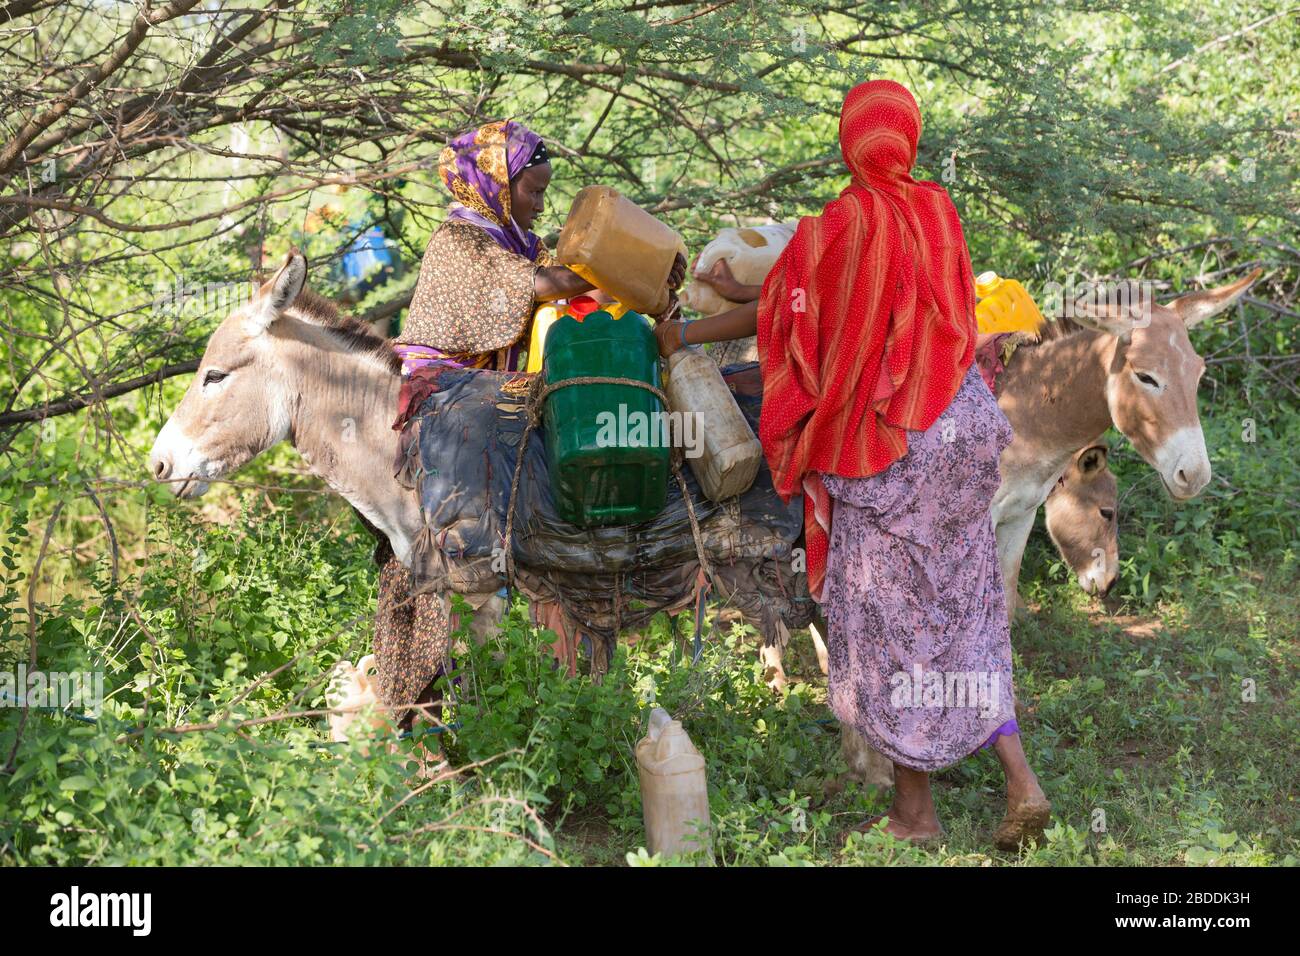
x: 1124, y: 139
x: 1135, y: 717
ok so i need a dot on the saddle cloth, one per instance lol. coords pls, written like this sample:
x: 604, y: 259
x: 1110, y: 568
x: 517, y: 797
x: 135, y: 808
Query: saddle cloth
x: 461, y: 433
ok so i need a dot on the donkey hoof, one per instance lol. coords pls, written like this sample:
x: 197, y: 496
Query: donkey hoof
x: 775, y: 680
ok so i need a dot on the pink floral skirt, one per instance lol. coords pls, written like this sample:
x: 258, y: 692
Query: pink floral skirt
x: 920, y: 648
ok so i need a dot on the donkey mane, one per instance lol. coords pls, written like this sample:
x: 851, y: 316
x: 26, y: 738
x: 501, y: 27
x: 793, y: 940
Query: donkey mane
x: 1059, y: 327
x: 353, y: 334
x: 1055, y: 329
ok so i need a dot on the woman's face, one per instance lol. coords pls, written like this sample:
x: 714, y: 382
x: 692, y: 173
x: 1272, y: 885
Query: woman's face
x: 528, y: 194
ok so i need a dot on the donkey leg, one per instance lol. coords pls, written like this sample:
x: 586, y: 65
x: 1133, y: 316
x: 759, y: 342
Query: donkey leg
x: 487, y: 619
x: 816, y: 628
x: 770, y: 656
x: 1012, y: 535
x: 866, y: 765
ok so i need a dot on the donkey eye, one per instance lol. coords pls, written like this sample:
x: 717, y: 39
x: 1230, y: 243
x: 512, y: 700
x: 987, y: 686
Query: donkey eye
x: 1108, y: 514
x: 213, y: 376
x: 1146, y: 379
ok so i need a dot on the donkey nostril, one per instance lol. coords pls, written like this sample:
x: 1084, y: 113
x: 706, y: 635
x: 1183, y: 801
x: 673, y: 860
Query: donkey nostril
x: 1181, y: 475
x: 161, y: 468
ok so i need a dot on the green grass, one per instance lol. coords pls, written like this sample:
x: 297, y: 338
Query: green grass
x: 1138, y: 719
x: 1134, y: 723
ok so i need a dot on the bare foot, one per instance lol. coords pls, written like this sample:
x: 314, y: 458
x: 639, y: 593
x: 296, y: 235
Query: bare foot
x: 920, y: 832
x: 1028, y: 811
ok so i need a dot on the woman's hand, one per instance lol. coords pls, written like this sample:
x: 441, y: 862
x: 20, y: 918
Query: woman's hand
x: 672, y: 312
x: 669, y: 335
x: 677, y: 274
x: 726, y: 285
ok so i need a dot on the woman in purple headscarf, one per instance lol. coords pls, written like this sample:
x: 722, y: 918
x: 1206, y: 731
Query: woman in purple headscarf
x: 484, y: 271
x: 482, y: 275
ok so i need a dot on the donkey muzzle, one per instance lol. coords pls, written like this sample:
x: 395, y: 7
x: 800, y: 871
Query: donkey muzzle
x: 1184, y: 463
x: 175, y: 460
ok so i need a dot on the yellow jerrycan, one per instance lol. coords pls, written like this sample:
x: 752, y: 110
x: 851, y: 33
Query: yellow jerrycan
x: 543, y: 319
x: 1005, y: 306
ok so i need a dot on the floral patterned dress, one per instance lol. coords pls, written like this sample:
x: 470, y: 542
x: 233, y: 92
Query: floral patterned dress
x: 472, y: 306
x: 919, y: 642
x: 474, y: 299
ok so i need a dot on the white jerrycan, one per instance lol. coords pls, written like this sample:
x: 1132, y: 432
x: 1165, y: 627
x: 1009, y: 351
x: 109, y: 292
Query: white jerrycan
x: 674, y: 788
x: 725, y: 455
x: 351, y: 691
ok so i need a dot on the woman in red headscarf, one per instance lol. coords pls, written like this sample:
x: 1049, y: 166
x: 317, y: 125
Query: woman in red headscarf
x: 873, y: 411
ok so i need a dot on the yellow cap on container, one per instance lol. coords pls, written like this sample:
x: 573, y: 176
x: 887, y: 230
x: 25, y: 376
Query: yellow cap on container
x: 986, y: 283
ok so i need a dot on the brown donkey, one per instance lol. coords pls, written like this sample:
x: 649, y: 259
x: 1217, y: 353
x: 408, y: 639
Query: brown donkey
x: 1133, y: 368
x: 1082, y: 520
x: 1130, y: 366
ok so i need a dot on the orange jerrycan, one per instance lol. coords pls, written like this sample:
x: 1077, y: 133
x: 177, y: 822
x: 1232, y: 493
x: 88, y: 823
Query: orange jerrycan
x: 1005, y: 306
x: 620, y: 248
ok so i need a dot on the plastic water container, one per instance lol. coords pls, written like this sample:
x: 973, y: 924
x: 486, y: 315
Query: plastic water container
x: 352, y: 691
x: 674, y: 788
x: 620, y: 248
x: 545, y: 316
x: 728, y: 453
x: 750, y: 253
x: 605, y: 446
x: 1005, y: 306
x: 549, y: 313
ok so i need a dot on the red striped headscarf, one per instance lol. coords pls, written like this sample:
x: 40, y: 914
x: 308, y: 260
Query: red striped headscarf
x: 866, y: 324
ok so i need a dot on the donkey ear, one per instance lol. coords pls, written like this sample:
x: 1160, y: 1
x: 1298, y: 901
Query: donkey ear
x: 279, y: 293
x: 1092, y: 460
x: 1117, y: 310
x: 1115, y: 320
x: 1196, y: 307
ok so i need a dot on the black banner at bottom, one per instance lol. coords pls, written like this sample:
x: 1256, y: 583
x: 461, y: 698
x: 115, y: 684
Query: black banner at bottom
x: 237, y: 905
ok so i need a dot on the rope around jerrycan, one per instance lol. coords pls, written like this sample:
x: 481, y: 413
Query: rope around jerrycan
x: 538, y: 393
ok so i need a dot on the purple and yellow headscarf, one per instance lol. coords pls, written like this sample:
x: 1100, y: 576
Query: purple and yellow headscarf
x: 476, y: 167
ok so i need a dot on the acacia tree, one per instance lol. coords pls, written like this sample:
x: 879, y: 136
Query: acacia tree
x: 146, y: 145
